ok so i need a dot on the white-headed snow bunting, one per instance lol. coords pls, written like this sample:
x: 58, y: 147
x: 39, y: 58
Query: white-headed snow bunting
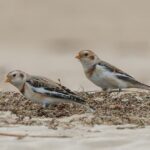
x: 42, y: 90
x: 105, y: 75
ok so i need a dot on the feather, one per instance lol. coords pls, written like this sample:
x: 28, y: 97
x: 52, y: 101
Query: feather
x: 112, y: 68
x: 52, y: 89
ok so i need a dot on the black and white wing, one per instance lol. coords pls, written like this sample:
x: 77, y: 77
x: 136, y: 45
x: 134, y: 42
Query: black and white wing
x: 123, y: 76
x: 48, y: 87
x: 114, y: 69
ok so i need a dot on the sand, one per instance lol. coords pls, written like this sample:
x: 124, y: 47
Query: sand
x: 98, y: 137
x: 123, y: 115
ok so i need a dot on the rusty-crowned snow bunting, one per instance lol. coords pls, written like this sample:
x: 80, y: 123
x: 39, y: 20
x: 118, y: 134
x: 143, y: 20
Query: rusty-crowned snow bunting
x: 105, y: 75
x: 41, y: 90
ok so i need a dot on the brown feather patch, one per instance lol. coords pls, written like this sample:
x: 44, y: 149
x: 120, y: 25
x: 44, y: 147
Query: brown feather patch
x: 92, y: 57
x: 90, y: 71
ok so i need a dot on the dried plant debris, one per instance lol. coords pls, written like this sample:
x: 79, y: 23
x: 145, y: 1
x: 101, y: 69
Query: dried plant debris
x: 19, y: 105
x: 116, y: 108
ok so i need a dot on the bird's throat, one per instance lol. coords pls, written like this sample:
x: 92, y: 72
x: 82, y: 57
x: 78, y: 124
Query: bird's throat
x: 22, y: 89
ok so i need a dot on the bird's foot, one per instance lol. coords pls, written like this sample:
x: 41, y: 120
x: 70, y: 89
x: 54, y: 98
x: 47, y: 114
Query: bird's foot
x: 112, y: 90
x: 45, y: 105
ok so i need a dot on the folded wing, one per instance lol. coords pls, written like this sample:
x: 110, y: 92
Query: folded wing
x: 50, y: 88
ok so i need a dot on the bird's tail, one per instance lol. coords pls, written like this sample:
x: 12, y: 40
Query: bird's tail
x: 77, y: 99
x: 142, y: 86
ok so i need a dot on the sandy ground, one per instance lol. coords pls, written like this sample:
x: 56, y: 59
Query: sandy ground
x: 120, y: 121
x: 81, y: 138
x: 124, y: 137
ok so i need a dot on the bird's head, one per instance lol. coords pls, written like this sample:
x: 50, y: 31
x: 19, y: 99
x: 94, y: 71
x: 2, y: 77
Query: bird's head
x: 87, y: 58
x: 17, y: 78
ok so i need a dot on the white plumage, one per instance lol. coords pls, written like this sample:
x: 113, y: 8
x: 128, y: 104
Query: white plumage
x: 105, y: 75
x: 42, y: 90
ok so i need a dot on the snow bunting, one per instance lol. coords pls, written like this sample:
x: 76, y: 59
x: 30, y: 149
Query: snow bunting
x: 105, y: 75
x: 41, y: 90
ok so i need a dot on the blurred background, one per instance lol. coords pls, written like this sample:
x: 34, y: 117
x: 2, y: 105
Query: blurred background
x: 42, y: 37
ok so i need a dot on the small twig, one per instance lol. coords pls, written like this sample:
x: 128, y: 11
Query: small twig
x: 59, y: 80
x: 21, y: 136
x: 18, y: 136
x: 47, y: 136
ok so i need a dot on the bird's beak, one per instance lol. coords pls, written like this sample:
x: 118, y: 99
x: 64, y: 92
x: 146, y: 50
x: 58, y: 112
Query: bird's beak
x: 78, y: 56
x: 7, y: 80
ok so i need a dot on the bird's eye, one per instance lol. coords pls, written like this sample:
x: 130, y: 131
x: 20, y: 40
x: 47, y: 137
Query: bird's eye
x: 86, y: 54
x: 21, y: 75
x: 14, y: 75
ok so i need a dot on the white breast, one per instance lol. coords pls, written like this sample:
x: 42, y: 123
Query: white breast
x: 106, y: 79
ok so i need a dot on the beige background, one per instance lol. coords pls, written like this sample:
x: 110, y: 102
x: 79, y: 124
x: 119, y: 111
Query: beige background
x: 42, y: 36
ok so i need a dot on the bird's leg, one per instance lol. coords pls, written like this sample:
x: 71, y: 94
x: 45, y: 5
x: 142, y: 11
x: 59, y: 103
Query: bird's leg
x: 105, y: 90
x: 109, y: 90
x: 45, y: 104
x: 115, y: 90
x: 119, y: 90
